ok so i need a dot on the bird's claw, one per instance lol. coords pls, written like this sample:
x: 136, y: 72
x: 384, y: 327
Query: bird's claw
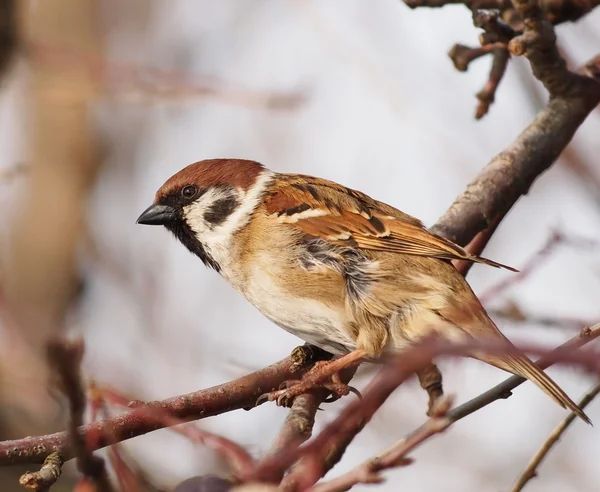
x: 288, y: 390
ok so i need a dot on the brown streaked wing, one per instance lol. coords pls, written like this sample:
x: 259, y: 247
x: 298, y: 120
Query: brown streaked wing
x: 341, y: 215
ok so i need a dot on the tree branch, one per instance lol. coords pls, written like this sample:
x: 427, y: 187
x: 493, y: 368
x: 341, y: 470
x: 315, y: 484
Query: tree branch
x: 394, y: 456
x: 240, y: 393
x: 511, y: 173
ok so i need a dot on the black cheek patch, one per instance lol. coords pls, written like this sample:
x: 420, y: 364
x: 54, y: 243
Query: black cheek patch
x: 218, y: 211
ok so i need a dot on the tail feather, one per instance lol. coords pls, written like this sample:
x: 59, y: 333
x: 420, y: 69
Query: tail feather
x: 522, y: 366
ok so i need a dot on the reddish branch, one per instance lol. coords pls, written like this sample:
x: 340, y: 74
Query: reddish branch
x: 327, y: 448
x: 393, y: 457
x: 65, y: 357
x: 144, y: 82
x: 234, y: 395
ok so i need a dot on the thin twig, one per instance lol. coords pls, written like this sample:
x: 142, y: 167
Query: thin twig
x: 394, y: 456
x: 42, y: 480
x: 530, y: 471
x: 503, y: 390
x: 512, y: 312
x: 476, y: 247
x: 487, y: 95
x: 66, y: 357
x: 297, y: 427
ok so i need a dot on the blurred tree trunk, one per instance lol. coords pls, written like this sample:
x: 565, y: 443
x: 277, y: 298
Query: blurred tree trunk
x: 41, y: 275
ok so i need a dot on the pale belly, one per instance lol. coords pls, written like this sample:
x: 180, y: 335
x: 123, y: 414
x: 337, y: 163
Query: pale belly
x: 309, y: 319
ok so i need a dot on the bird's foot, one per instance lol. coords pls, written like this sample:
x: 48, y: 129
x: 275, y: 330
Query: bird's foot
x: 324, y: 374
x: 430, y: 379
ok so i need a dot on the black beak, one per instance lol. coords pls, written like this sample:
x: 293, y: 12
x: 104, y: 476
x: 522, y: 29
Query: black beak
x: 157, y: 215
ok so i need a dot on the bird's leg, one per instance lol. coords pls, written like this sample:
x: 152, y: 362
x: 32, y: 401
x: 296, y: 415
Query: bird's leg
x: 307, y: 355
x: 430, y: 379
x: 317, y: 377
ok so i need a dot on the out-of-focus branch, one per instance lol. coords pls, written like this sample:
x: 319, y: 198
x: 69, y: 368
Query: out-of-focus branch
x: 513, y: 312
x: 503, y: 390
x: 41, y: 276
x: 394, y: 456
x: 297, y: 427
x: 240, y: 393
x: 65, y: 358
x: 530, y: 471
x: 132, y: 83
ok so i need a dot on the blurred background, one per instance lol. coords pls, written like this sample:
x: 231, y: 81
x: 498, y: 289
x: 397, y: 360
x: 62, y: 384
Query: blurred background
x: 105, y: 99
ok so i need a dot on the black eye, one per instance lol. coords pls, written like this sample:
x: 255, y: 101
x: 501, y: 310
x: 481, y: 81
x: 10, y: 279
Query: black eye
x: 188, y: 192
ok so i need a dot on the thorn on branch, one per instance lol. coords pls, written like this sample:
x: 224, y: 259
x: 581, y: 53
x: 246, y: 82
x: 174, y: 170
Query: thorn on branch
x: 42, y: 480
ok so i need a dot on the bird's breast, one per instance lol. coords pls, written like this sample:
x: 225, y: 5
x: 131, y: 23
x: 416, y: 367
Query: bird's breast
x: 307, y: 304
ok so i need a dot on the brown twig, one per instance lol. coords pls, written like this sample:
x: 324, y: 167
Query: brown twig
x: 476, y: 247
x: 66, y: 358
x: 487, y: 95
x: 237, y: 394
x: 512, y: 172
x: 42, y: 480
x: 521, y: 27
x: 394, y: 456
x: 554, y: 11
x: 462, y: 55
x: 503, y: 390
x: 538, y: 44
x: 138, y: 83
x: 530, y: 471
x: 511, y: 311
x: 297, y: 427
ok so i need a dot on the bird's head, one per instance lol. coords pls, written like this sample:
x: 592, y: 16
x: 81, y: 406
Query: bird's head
x: 205, y: 203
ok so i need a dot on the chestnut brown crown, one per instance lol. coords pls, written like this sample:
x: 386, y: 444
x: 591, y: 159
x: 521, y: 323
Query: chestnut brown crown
x: 239, y: 173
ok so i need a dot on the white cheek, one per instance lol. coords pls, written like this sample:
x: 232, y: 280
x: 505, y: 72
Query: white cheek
x: 216, y: 238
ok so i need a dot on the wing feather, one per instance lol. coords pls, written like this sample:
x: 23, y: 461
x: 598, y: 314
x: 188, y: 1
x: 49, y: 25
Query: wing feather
x: 324, y: 209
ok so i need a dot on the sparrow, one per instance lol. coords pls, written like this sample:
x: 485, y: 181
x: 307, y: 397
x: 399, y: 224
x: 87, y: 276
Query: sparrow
x: 340, y: 270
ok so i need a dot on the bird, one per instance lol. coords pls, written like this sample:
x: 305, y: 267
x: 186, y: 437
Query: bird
x: 342, y: 271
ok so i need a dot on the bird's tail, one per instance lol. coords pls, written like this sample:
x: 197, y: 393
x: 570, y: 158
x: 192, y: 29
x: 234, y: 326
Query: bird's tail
x: 522, y: 366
